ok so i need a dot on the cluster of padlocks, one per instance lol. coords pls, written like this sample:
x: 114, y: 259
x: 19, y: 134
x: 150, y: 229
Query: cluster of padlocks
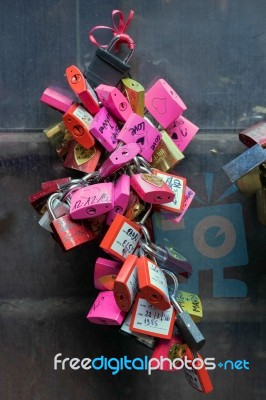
x: 124, y: 140
x: 248, y: 170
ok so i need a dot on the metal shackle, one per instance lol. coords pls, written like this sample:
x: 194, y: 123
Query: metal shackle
x: 123, y: 38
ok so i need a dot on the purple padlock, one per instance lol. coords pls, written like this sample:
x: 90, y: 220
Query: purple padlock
x: 121, y: 197
x: 140, y: 131
x: 92, y: 200
x: 120, y: 157
x: 105, y: 129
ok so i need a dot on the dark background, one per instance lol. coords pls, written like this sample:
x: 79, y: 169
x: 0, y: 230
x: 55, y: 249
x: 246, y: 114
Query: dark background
x: 214, y: 54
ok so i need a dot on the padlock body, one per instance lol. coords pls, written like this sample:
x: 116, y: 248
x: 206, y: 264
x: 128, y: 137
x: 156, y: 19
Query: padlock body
x: 81, y: 159
x: 163, y: 103
x: 92, y: 200
x: 166, y: 155
x: 70, y: 233
x: 140, y: 131
x: 56, y: 99
x: 105, y: 68
x: 178, y: 185
x: 182, y: 132
x: 197, y: 375
x: 126, y: 283
x: 105, y: 311
x: 168, y: 349
x: 105, y: 129
x: 120, y: 157
x: 189, y: 330
x: 59, y: 138
x: 78, y: 121
x: 255, y: 134
x: 105, y: 272
x: 134, y: 207
x: 121, y: 197
x: 134, y: 92
x: 151, y: 189
x: 114, y: 101
x: 122, y: 238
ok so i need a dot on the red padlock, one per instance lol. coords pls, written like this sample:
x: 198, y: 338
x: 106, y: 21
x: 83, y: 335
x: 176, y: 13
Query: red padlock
x: 196, y: 372
x: 77, y: 120
x: 126, y: 283
x: 151, y: 188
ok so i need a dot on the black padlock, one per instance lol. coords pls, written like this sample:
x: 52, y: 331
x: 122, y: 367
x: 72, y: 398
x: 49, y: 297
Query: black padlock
x: 106, y: 68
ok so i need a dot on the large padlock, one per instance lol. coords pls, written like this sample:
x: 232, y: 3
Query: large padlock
x: 106, y: 68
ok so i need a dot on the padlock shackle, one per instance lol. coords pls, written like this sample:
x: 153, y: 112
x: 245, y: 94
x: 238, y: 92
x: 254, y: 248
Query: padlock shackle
x: 50, y: 203
x: 126, y: 39
x: 175, y: 281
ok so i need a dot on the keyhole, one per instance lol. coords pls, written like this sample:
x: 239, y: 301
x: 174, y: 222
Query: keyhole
x: 78, y: 130
x: 76, y: 78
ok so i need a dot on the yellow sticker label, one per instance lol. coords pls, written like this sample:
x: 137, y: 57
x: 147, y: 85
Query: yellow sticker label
x: 83, y: 155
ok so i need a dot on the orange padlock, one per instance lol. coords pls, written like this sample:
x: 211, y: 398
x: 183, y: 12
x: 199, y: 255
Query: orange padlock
x: 126, y: 284
x: 77, y: 120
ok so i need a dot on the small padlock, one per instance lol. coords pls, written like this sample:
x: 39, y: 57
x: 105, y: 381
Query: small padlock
x: 163, y: 103
x: 69, y: 233
x: 81, y: 159
x: 105, y: 273
x: 105, y: 129
x: 151, y: 188
x: 126, y: 283
x: 261, y: 195
x: 255, y: 134
x: 121, y: 197
x: 92, y: 201
x: 122, y: 238
x: 134, y: 207
x: 134, y: 92
x: 59, y: 138
x: 152, y: 284
x: 54, y: 98
x: 78, y: 121
x: 59, y: 209
x: 82, y: 89
x: 166, y: 155
x: 119, y: 158
x: 178, y: 185
x: 107, y: 68
x: 114, y: 101
x: 182, y: 132
x: 138, y: 130
x: 169, y: 351
x: 190, y: 303
x: 196, y: 373
x: 105, y: 311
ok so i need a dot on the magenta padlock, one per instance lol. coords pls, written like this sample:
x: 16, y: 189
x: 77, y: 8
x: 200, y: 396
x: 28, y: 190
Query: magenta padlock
x: 114, y: 101
x: 140, y: 131
x: 105, y: 311
x: 105, y: 272
x: 105, y: 129
x: 121, y: 197
x: 182, y: 132
x: 120, y: 157
x: 163, y: 103
x: 56, y: 99
x: 151, y: 189
x: 92, y: 200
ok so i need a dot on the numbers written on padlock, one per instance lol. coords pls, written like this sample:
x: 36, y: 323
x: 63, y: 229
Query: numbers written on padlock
x: 120, y: 157
x: 122, y: 237
x: 105, y: 311
x: 177, y: 184
x: 163, y: 103
x: 182, y: 132
x: 134, y: 92
x: 105, y: 129
x: 149, y: 320
x: 114, y: 101
x: 78, y: 121
x: 151, y: 188
x: 196, y: 372
x: 140, y: 131
x: 170, y: 349
x: 126, y: 284
x: 106, y: 67
x: 153, y: 284
x: 105, y: 272
x: 82, y: 89
x: 92, y: 200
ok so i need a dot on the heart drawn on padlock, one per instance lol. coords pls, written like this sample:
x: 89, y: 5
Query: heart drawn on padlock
x: 83, y: 155
x: 159, y: 104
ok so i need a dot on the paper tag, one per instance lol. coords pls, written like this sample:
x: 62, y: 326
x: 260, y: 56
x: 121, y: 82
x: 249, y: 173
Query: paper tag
x: 189, y: 195
x: 126, y: 241
x: 83, y: 116
x: 149, y: 341
x: 150, y: 320
x: 157, y: 278
x: 177, y: 184
x: 83, y: 155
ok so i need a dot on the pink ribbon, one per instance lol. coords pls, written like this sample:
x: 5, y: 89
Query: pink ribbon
x: 117, y: 30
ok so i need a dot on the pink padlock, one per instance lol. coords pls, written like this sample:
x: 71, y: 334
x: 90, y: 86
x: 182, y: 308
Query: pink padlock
x: 121, y: 197
x: 56, y: 99
x: 120, y: 157
x: 105, y: 311
x: 151, y: 188
x: 105, y: 129
x: 105, y: 272
x: 140, y: 131
x: 182, y: 132
x: 114, y: 101
x: 163, y: 103
x: 91, y: 201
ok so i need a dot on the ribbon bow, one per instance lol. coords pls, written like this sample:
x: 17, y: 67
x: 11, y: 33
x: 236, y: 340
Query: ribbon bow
x: 117, y: 30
